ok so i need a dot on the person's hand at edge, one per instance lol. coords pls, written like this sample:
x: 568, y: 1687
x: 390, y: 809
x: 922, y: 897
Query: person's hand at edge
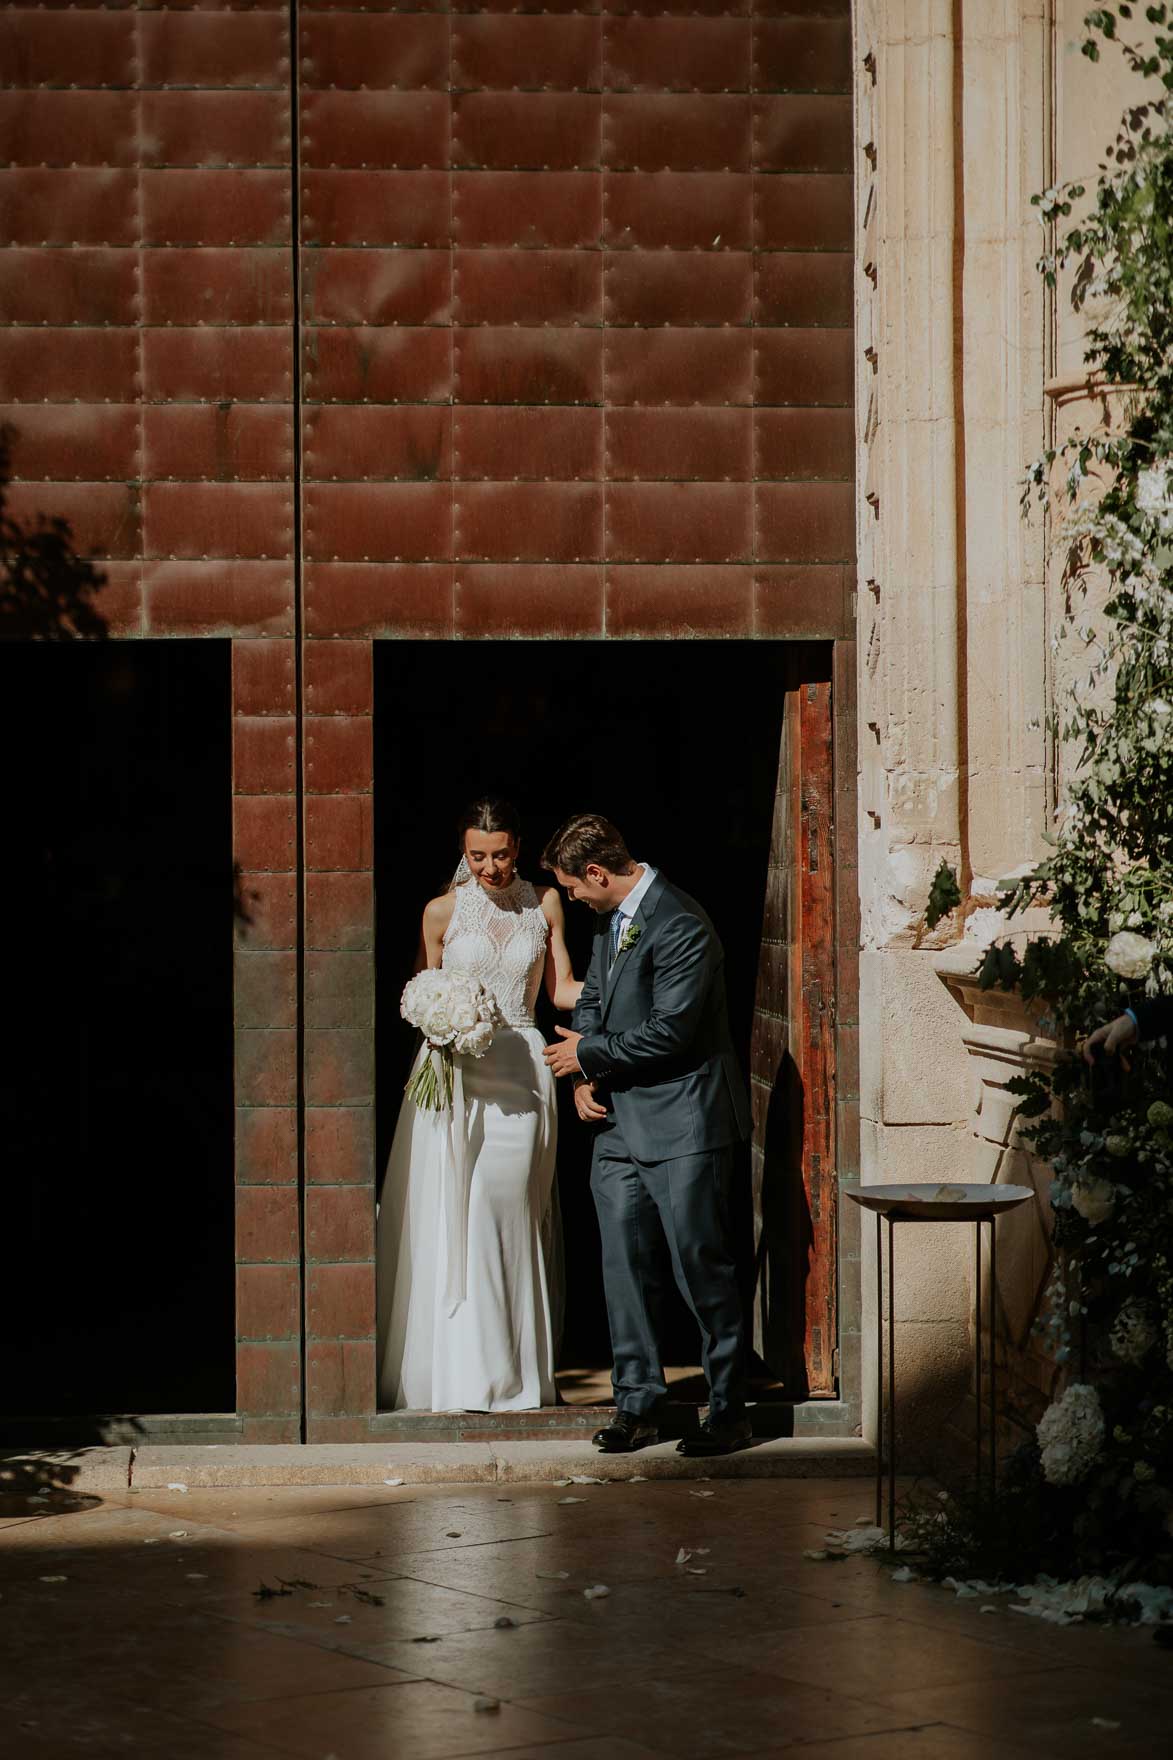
x: 1114, y: 1036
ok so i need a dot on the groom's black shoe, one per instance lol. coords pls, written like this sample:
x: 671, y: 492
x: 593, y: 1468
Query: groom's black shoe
x: 624, y: 1432
x: 718, y: 1436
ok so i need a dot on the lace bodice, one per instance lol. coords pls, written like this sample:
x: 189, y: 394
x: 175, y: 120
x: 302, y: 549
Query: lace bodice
x: 500, y: 938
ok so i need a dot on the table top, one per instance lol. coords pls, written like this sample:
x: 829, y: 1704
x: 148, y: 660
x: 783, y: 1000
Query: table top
x: 941, y: 1203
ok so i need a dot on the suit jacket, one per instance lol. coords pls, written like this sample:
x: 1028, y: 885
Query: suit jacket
x: 655, y: 1028
x: 1154, y: 1016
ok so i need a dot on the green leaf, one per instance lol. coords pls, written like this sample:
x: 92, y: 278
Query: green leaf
x: 944, y: 895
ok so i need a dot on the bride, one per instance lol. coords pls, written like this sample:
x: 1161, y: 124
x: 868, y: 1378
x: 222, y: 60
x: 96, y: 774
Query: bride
x: 483, y: 1342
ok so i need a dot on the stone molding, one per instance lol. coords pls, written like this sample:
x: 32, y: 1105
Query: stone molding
x: 1005, y: 1037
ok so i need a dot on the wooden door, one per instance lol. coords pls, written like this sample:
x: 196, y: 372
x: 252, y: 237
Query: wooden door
x: 792, y: 1064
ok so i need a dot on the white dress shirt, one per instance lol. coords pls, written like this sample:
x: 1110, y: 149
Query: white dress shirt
x: 628, y: 906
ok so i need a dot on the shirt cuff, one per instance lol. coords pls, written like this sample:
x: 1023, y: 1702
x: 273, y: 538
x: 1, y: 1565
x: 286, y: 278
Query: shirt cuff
x: 1131, y: 1013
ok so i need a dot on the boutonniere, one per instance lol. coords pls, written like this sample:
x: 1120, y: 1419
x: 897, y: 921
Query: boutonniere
x: 629, y: 937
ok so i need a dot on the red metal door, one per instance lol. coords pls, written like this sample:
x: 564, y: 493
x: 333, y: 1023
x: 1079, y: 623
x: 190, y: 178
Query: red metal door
x: 793, y: 1054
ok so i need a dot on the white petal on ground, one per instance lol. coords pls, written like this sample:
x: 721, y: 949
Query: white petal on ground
x: 344, y: 1619
x: 196, y: 1576
x: 904, y: 1574
x: 858, y: 1539
x: 637, y: 1479
x: 319, y: 1604
x: 54, y: 1579
x: 177, y: 1534
x: 393, y: 1481
x: 176, y: 1485
x: 584, y: 1479
x: 1106, y: 1722
x: 553, y: 1576
x: 596, y: 1592
x: 813, y: 1552
x: 702, y: 1494
x: 683, y: 1556
x: 572, y: 1500
x: 696, y: 1570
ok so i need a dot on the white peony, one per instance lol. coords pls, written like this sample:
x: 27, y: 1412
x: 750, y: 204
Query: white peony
x: 477, y: 1040
x: 455, y: 1014
x: 1129, y: 955
x: 1071, y: 1434
x: 1095, y: 1199
x: 1133, y: 1333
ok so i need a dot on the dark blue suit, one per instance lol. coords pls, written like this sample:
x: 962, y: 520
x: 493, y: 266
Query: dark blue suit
x: 656, y: 1043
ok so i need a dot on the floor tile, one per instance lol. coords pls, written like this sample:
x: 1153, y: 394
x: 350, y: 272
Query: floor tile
x: 936, y: 1741
x: 544, y: 1658
x: 421, y: 1719
x: 877, y: 1655
x: 410, y: 1613
x: 1055, y: 1710
x: 721, y: 1712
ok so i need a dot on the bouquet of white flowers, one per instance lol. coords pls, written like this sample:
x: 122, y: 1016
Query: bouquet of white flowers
x: 454, y: 1013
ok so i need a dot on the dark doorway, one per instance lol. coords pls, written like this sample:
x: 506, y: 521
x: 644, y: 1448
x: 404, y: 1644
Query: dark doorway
x: 117, y: 1071
x: 678, y: 743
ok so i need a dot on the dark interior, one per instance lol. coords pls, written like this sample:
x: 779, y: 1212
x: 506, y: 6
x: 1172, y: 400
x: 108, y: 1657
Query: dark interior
x: 116, y: 1099
x: 677, y: 743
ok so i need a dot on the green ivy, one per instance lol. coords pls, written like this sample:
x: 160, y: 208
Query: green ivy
x: 944, y: 895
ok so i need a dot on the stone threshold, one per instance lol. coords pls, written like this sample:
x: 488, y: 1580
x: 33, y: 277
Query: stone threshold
x: 199, y: 1467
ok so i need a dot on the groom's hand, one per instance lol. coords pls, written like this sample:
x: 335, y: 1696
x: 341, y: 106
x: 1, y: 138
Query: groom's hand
x: 586, y: 1105
x: 563, y: 1059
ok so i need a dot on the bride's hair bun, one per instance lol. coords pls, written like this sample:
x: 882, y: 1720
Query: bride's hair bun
x: 490, y: 813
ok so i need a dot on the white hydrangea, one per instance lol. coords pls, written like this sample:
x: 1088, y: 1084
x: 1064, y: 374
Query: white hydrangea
x: 1071, y: 1434
x: 1129, y: 955
x: 1153, y: 496
x: 1133, y: 1334
x: 1094, y: 1199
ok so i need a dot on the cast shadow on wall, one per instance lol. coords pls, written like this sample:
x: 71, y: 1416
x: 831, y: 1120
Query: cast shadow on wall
x: 116, y: 1093
x: 48, y: 592
x: 786, y: 1239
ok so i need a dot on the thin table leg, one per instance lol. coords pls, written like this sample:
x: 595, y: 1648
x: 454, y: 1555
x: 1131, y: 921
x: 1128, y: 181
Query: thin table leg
x: 891, y: 1388
x: 993, y: 1356
x: 879, y: 1370
x: 977, y: 1335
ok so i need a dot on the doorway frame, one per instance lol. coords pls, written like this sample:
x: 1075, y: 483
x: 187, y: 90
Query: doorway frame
x: 339, y: 1175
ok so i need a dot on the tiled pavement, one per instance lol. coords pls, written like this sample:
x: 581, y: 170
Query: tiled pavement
x: 130, y: 1625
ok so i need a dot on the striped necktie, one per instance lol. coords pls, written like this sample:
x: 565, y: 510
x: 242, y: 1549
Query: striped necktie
x: 617, y: 922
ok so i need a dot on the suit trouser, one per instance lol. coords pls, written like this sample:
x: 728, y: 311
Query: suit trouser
x: 661, y: 1218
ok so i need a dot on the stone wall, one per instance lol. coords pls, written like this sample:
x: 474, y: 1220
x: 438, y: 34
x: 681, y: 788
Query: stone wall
x: 961, y: 115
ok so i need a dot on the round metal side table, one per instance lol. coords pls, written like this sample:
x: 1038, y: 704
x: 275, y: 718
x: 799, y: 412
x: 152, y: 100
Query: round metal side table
x: 940, y: 1203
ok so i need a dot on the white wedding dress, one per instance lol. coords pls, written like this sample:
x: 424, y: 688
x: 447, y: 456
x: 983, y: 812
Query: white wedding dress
x: 464, y: 1317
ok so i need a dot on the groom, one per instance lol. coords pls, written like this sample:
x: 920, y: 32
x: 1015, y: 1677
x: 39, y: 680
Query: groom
x: 656, y: 1075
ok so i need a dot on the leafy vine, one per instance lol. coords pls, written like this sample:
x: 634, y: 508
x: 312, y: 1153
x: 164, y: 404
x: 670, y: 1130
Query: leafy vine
x: 1102, y: 1464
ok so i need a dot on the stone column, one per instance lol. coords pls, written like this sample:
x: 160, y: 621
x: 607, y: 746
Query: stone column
x: 913, y: 1094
